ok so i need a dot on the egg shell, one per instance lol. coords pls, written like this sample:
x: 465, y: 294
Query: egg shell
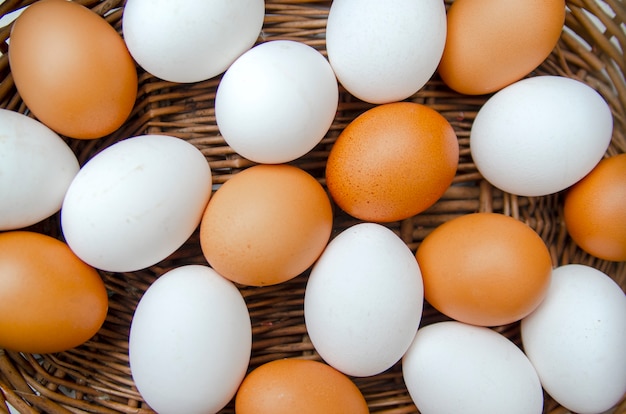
x: 594, y: 213
x: 266, y: 225
x: 485, y: 269
x: 452, y: 367
x: 383, y: 54
x: 287, y: 386
x: 576, y: 339
x: 525, y: 137
x: 36, y: 168
x: 136, y: 202
x: 190, y: 341
x: 276, y: 101
x: 391, y: 162
x: 72, y: 69
x: 493, y: 43
x: 50, y: 301
x: 202, y: 38
x: 363, y: 300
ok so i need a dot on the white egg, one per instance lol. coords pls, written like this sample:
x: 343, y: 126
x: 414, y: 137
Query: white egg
x: 136, y: 202
x: 384, y: 52
x: 277, y: 101
x: 36, y: 168
x: 452, y: 367
x: 190, y: 341
x: 540, y: 135
x: 576, y: 339
x: 363, y: 300
x: 187, y: 40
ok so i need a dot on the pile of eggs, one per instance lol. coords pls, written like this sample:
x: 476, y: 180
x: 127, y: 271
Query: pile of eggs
x: 137, y: 201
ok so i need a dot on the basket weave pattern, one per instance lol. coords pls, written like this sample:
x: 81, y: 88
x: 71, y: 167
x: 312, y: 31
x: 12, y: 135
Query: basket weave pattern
x: 95, y: 377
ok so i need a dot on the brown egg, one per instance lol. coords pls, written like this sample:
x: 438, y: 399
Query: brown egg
x: 484, y: 269
x: 50, y: 301
x: 289, y: 386
x: 72, y: 69
x: 392, y: 162
x: 594, y: 210
x: 266, y: 225
x: 493, y: 43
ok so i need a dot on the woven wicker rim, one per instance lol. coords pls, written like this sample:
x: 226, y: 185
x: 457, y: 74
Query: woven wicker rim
x: 95, y: 377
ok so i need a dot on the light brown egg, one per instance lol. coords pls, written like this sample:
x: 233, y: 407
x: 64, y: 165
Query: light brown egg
x: 266, y: 225
x: 493, y: 43
x: 484, y: 269
x: 287, y: 386
x: 72, y: 69
x: 50, y: 301
x: 594, y: 210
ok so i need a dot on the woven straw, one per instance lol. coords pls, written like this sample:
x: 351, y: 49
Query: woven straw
x: 96, y: 378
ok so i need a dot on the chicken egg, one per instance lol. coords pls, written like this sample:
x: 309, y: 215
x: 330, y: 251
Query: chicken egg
x: 363, y: 300
x: 190, y: 341
x: 287, y: 386
x: 36, y: 168
x: 393, y: 161
x: 265, y: 225
x: 594, y: 213
x: 576, y: 339
x: 452, y: 367
x: 72, y: 69
x: 50, y: 300
x: 136, y: 202
x: 484, y: 269
x: 384, y: 53
x: 493, y: 43
x: 202, y: 38
x: 276, y: 101
x: 526, y: 137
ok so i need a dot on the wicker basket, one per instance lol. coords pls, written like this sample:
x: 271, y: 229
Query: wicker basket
x: 95, y: 377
